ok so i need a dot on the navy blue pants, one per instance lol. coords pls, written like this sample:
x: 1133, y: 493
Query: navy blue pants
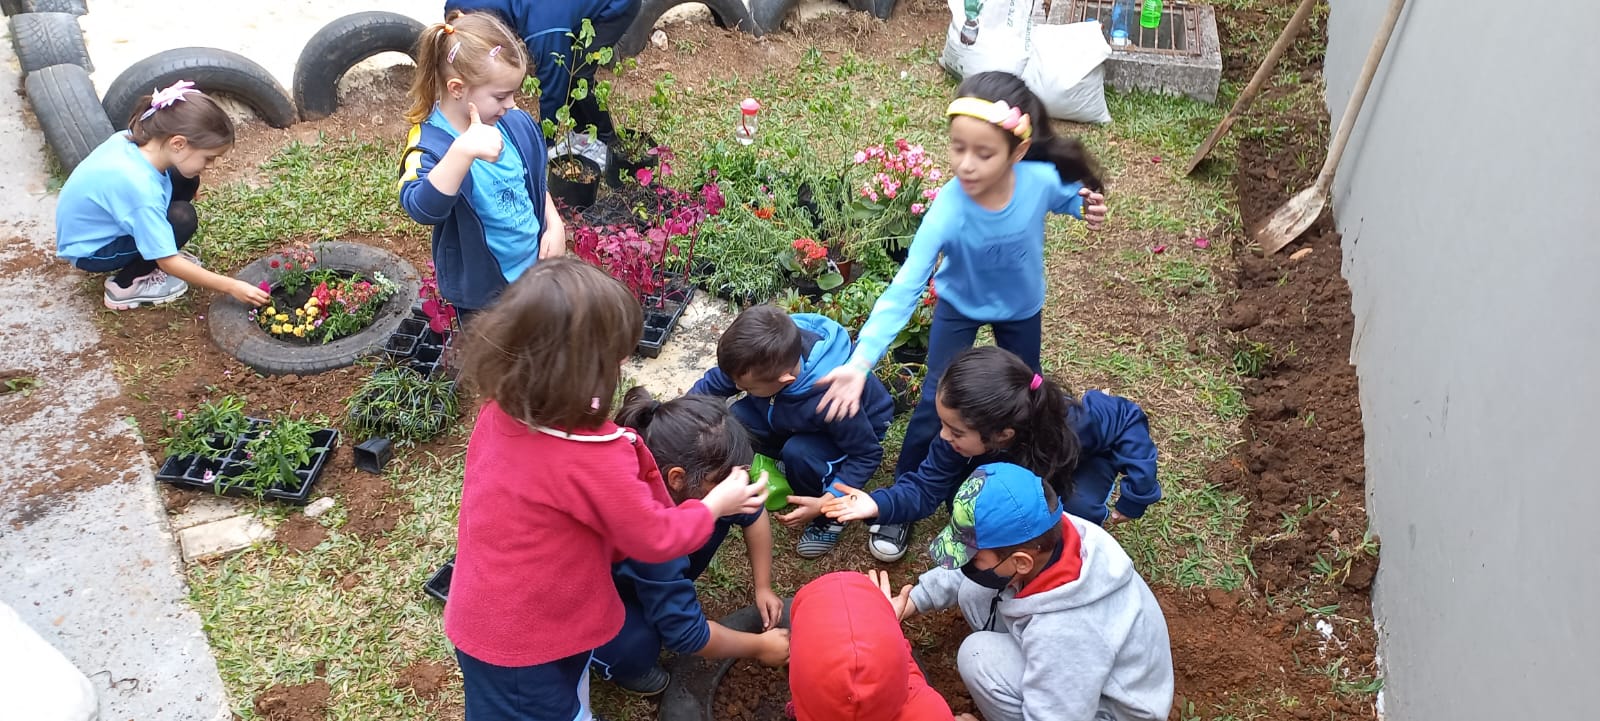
x: 952, y: 333
x: 810, y: 460
x: 554, y: 691
x: 634, y: 650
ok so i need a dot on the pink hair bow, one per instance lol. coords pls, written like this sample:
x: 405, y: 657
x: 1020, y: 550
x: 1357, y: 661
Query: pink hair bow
x: 1014, y: 120
x: 162, y: 99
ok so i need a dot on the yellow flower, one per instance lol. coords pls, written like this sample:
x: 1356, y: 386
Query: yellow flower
x: 277, y: 328
x: 271, y: 311
x: 300, y: 312
x: 312, y: 301
x: 283, y: 317
x: 300, y: 332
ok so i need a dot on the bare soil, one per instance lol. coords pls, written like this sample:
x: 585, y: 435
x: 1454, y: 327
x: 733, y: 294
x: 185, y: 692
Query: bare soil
x: 302, y: 702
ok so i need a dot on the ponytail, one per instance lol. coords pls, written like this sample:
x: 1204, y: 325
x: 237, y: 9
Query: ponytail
x: 1073, y: 162
x: 464, y: 46
x: 993, y: 391
x: 695, y: 433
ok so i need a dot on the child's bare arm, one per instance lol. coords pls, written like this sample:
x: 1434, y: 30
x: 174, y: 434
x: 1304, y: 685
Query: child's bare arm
x: 181, y: 268
x: 770, y: 647
x: 758, y: 547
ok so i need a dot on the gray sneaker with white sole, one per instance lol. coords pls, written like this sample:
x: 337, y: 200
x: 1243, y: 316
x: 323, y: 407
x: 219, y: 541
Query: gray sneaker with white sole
x: 152, y: 289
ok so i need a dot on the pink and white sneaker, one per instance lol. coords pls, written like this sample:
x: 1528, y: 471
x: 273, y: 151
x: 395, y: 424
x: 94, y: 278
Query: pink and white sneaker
x: 154, y: 288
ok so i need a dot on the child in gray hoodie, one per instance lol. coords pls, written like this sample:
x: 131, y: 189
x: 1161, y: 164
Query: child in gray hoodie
x: 1063, y: 628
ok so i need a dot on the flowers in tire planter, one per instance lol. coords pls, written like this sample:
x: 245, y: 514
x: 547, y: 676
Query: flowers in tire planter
x: 338, y: 303
x: 398, y: 403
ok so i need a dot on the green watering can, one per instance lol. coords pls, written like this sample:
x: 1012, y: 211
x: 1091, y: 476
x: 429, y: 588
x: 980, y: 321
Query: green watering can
x: 778, y: 489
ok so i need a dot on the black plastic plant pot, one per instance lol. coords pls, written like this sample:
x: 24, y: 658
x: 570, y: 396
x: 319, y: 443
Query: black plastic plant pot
x: 192, y: 472
x: 400, y: 345
x: 438, y: 585
x: 576, y: 194
x: 373, y: 454
x: 910, y: 354
x: 659, y: 323
x: 898, y: 255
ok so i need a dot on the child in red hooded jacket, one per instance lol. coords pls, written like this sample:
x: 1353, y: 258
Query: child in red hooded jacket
x: 848, y: 659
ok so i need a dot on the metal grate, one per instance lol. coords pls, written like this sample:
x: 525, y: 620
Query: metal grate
x: 1178, y: 34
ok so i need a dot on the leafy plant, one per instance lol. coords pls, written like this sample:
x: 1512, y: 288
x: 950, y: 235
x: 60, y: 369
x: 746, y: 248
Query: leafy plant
x: 888, y: 197
x: 398, y: 403
x: 915, y: 333
x: 441, y: 314
x: 20, y: 384
x: 210, y: 431
x: 272, y: 458
x: 562, y: 126
x: 904, y: 382
x: 639, y: 253
x: 850, y: 307
x: 809, y: 259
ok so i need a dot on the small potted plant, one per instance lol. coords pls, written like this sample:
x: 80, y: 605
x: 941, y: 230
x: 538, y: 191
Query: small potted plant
x: 398, y: 403
x: 210, y: 431
x: 911, y: 344
x: 573, y: 179
x: 636, y: 148
x: 904, y: 382
x: 811, y: 266
x: 890, y: 188
x: 277, y: 459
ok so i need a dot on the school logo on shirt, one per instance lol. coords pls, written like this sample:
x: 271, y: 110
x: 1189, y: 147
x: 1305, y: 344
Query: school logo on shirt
x: 509, y: 201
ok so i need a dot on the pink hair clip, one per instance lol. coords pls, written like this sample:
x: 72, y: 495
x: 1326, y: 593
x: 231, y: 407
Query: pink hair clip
x: 494, y: 51
x: 451, y: 56
x: 1038, y: 380
x: 1015, y: 120
x: 162, y: 99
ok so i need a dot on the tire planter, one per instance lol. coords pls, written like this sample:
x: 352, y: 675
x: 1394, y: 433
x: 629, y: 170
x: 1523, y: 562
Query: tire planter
x: 769, y: 15
x: 234, y: 331
x: 213, y: 70
x: 338, y: 46
x: 880, y: 9
x: 18, y: 7
x: 693, y: 689
x: 731, y: 14
x: 63, y: 100
x: 45, y: 39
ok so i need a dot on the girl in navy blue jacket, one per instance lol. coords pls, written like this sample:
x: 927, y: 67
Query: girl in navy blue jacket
x: 474, y: 164
x: 696, y: 443
x: 993, y: 407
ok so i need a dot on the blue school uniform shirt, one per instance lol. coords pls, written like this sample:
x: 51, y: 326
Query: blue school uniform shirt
x: 666, y: 593
x: 500, y: 196
x: 993, y: 267
x: 115, y: 192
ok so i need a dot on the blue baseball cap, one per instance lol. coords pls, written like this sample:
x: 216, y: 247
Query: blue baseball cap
x: 998, y: 506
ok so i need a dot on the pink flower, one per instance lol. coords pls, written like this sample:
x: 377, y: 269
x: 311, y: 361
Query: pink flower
x: 1202, y: 243
x: 264, y: 286
x: 930, y: 193
x: 1155, y: 159
x: 889, y: 192
x: 861, y: 157
x: 917, y: 208
x: 208, y: 476
x: 644, y: 175
x: 274, y: 263
x: 935, y: 175
x: 1162, y: 248
x: 180, y: 415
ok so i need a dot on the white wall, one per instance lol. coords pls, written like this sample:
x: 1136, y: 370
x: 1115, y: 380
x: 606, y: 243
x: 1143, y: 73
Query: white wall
x: 1469, y: 208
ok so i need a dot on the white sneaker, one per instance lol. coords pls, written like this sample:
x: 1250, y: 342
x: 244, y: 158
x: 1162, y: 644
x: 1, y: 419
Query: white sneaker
x: 154, y: 288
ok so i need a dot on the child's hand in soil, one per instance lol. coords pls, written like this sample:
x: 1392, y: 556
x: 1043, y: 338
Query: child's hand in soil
x: 903, y: 606
x: 249, y: 294
x: 774, y: 647
x: 480, y: 141
x: 1094, y: 208
x: 771, y: 607
x: 807, y: 509
x: 855, y: 505
x: 736, y: 495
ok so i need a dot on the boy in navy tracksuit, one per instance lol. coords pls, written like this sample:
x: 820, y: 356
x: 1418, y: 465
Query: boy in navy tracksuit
x: 776, y: 359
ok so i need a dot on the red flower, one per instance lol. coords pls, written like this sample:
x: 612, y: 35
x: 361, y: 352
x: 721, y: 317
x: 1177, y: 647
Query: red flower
x: 274, y: 263
x: 764, y: 213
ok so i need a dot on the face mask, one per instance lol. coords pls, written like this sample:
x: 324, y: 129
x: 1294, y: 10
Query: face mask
x: 986, y: 577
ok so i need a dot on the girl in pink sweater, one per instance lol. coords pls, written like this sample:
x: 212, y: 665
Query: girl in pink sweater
x: 555, y: 493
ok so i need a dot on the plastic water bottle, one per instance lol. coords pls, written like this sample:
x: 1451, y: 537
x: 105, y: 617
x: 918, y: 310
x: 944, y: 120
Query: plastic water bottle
x: 745, y: 130
x: 1121, y: 12
x: 1150, y: 17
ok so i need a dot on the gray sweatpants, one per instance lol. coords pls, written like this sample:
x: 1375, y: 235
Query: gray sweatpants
x: 991, y: 662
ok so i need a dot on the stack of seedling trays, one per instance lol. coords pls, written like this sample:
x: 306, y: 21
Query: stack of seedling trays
x: 220, y: 475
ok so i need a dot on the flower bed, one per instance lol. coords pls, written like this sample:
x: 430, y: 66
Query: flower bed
x: 315, y: 305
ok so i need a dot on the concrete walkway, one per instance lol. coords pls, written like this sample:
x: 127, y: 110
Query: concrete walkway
x: 85, y: 555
